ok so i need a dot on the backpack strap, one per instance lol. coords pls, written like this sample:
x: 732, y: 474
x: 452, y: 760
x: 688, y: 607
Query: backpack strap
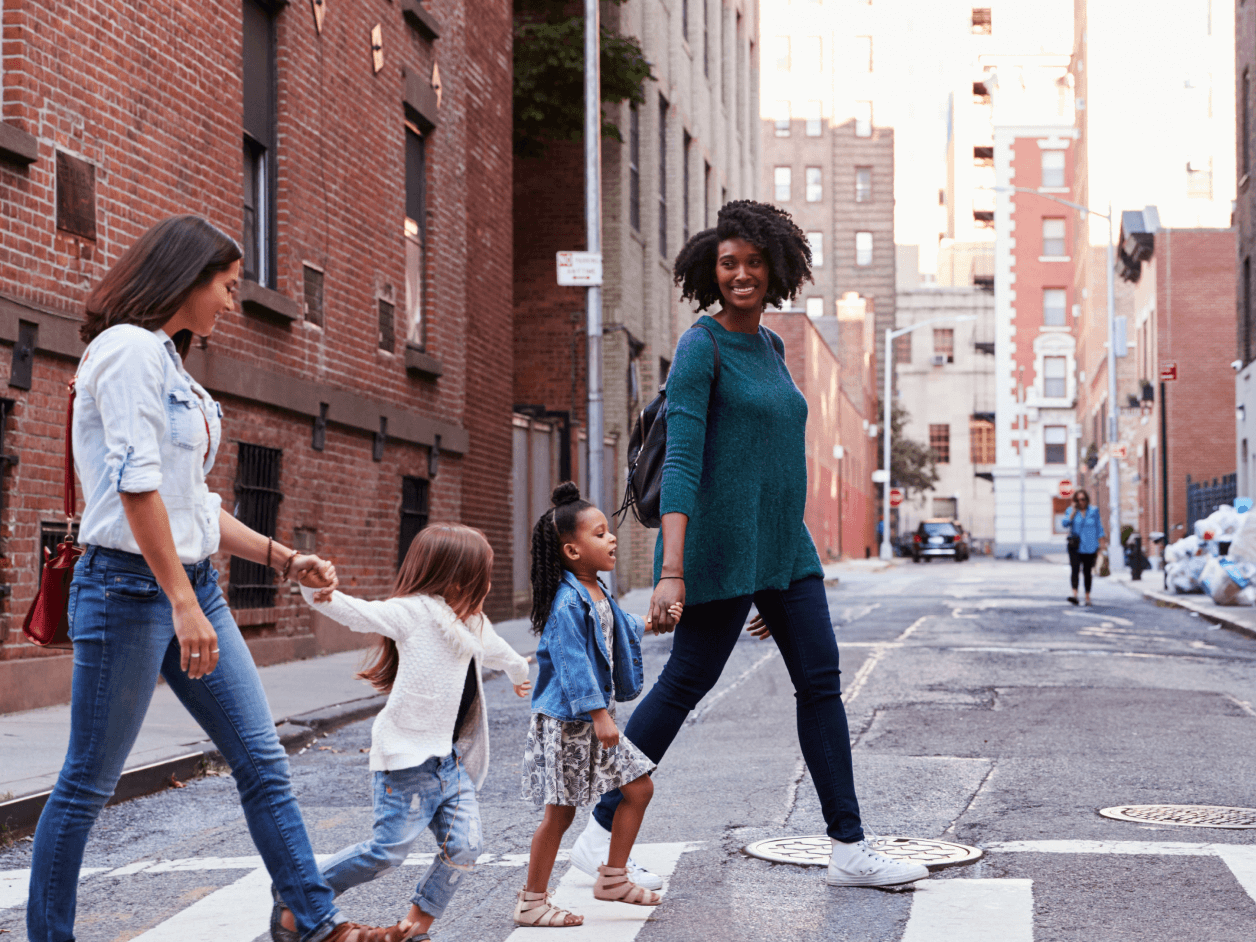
x: 715, y: 378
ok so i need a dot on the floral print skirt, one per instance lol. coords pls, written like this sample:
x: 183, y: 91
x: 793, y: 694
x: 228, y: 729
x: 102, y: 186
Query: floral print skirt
x: 564, y: 764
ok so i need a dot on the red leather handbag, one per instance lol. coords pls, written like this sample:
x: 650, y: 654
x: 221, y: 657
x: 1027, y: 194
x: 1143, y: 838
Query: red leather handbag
x: 47, y: 624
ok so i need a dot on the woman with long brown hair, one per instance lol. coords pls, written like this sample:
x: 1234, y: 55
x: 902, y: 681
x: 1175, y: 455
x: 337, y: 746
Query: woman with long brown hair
x: 1085, y: 534
x: 145, y: 599
x: 429, y: 745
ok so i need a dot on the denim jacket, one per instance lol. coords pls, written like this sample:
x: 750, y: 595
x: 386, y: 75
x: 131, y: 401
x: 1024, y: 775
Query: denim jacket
x: 141, y: 423
x: 575, y: 674
x: 1087, y: 527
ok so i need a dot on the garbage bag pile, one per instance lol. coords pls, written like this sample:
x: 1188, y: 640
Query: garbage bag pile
x: 1218, y: 559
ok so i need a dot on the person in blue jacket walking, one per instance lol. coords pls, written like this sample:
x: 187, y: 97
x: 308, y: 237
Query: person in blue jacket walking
x: 1085, y: 534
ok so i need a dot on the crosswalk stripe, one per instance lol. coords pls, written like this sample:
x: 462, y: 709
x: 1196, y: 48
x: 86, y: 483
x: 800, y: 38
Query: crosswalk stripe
x: 15, y: 883
x: 972, y: 910
x: 238, y: 912
x: 605, y: 922
x: 1241, y: 859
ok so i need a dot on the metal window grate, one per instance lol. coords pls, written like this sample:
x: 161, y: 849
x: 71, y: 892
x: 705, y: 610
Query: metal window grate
x: 940, y: 442
x: 414, y: 513
x: 313, y: 295
x: 257, y: 507
x: 1203, y: 498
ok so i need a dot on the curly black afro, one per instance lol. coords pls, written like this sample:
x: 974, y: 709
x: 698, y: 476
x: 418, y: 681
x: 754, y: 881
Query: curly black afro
x: 767, y: 228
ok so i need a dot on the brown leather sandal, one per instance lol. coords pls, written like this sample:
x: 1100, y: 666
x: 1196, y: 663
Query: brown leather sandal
x: 614, y: 886
x: 535, y: 909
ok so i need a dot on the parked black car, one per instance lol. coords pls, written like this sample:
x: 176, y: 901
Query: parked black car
x: 939, y: 538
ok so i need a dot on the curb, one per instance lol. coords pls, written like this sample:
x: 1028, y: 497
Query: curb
x: 1213, y: 613
x: 18, y: 816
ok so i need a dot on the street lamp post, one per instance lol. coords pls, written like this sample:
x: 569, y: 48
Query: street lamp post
x: 886, y: 552
x: 1114, y: 472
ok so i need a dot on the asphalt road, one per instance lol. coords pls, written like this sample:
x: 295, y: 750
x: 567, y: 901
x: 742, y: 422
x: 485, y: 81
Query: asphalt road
x: 983, y: 709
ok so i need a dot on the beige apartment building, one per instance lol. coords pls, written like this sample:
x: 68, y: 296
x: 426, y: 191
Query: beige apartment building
x: 691, y: 147
x: 827, y: 159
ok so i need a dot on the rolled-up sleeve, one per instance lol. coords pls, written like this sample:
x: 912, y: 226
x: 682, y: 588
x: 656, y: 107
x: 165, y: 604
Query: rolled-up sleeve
x: 127, y: 381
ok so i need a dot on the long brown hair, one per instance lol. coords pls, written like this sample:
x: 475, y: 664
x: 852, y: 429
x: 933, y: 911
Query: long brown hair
x: 1080, y: 493
x: 449, y: 560
x: 156, y: 275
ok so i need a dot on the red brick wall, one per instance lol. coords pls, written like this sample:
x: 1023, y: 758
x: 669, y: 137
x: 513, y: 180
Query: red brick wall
x: 156, y: 108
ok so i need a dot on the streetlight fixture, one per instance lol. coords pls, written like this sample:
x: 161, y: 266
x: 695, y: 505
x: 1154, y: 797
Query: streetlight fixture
x: 1114, y: 472
x: 886, y: 552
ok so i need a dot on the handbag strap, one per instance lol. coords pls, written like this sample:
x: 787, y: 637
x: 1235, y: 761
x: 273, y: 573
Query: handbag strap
x: 71, y: 497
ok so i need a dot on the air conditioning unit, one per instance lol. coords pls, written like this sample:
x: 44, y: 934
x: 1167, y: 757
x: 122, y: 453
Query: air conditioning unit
x: 939, y: 359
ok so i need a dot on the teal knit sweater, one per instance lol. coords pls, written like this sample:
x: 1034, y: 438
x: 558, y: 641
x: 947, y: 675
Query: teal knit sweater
x: 738, y: 472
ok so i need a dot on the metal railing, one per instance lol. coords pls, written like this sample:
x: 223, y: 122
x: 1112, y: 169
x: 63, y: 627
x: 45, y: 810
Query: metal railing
x: 1203, y: 498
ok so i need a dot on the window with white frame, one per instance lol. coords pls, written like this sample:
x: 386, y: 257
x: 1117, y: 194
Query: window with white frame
x: 782, y: 118
x: 816, y: 241
x: 781, y: 177
x: 863, y: 184
x: 863, y: 248
x: 815, y: 186
x: 863, y: 119
x: 1053, y: 168
x: 1053, y: 307
x: 815, y: 307
x: 1055, y: 377
x: 1053, y: 237
x: 815, y: 119
x: 1055, y: 444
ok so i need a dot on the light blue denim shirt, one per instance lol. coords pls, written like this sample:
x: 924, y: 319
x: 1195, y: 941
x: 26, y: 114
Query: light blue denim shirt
x: 1088, y: 527
x: 141, y: 423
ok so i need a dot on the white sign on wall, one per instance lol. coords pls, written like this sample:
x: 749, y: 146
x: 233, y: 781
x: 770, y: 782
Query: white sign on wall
x: 580, y: 269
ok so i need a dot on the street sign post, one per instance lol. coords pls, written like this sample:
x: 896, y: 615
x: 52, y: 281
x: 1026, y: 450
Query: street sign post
x: 896, y: 496
x: 1168, y: 371
x: 1119, y: 452
x: 579, y: 269
x: 1066, y: 488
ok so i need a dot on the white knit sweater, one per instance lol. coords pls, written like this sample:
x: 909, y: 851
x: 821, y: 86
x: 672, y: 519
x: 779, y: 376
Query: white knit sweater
x: 434, y: 648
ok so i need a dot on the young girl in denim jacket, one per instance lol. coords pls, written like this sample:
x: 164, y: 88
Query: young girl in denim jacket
x: 589, y: 657
x: 429, y: 745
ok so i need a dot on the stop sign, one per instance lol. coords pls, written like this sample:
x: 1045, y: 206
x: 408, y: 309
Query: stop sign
x: 1066, y: 488
x: 896, y: 496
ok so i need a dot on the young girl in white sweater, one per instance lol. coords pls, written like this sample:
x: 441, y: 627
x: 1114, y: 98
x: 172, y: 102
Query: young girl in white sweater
x: 429, y: 745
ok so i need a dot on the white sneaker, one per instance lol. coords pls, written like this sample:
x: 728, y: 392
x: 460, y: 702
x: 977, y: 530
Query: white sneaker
x: 592, y: 848
x: 860, y: 864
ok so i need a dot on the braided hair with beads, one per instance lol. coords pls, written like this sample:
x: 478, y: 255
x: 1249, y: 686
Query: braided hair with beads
x: 554, y: 528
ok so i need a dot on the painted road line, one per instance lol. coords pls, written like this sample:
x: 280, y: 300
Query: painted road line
x: 972, y: 910
x: 1241, y: 859
x: 15, y: 883
x: 879, y: 651
x: 1144, y: 848
x: 239, y: 912
x: 606, y: 922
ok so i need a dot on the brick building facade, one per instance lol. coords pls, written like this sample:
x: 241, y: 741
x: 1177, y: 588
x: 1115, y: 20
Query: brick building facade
x: 362, y: 157
x: 1245, y: 245
x: 690, y: 148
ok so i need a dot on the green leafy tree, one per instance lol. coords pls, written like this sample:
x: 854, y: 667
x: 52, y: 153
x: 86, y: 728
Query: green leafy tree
x: 549, y: 76
x: 913, y: 465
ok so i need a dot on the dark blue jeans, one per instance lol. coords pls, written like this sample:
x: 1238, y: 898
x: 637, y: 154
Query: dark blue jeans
x: 123, y: 635
x: 801, y: 627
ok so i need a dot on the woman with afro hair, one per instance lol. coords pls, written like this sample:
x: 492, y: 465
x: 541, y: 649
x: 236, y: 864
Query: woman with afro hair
x: 733, y: 493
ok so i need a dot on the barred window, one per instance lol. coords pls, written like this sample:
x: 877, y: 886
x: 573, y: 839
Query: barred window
x: 257, y: 498
x: 944, y: 343
x: 981, y: 441
x: 387, y: 336
x: 940, y: 443
x: 313, y: 294
x: 414, y: 513
x: 902, y: 349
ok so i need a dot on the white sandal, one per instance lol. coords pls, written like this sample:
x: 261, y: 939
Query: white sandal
x: 613, y: 885
x: 535, y: 909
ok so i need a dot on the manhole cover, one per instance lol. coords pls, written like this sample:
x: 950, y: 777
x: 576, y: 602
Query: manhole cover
x: 1189, y: 816
x: 814, y: 851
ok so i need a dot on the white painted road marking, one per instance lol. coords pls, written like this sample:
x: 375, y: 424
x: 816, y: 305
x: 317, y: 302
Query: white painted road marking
x: 238, y: 912
x: 972, y: 910
x: 605, y: 922
x: 15, y: 883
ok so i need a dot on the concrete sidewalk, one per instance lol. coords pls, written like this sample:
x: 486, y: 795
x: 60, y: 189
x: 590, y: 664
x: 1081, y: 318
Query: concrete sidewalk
x: 307, y: 698
x: 1237, y: 618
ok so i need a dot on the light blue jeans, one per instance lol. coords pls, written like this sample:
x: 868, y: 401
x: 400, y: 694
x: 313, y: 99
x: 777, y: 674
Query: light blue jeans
x: 439, y: 795
x: 123, y: 635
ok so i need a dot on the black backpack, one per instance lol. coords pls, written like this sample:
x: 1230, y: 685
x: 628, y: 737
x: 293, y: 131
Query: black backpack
x: 647, y: 450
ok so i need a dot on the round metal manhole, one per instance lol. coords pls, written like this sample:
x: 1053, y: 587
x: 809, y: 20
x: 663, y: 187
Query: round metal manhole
x: 814, y: 851
x: 1187, y: 816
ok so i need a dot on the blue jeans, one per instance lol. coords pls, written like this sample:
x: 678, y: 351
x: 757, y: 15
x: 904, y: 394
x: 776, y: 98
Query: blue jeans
x: 123, y: 634
x: 803, y: 631
x: 439, y: 795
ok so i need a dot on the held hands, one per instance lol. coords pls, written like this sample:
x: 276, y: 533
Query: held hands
x: 198, y: 642
x: 314, y: 572
x: 523, y: 689
x: 604, y: 729
x: 667, y: 604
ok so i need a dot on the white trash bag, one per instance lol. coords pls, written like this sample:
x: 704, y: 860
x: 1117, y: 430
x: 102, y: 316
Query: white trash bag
x: 1225, y: 579
x: 1243, y: 546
